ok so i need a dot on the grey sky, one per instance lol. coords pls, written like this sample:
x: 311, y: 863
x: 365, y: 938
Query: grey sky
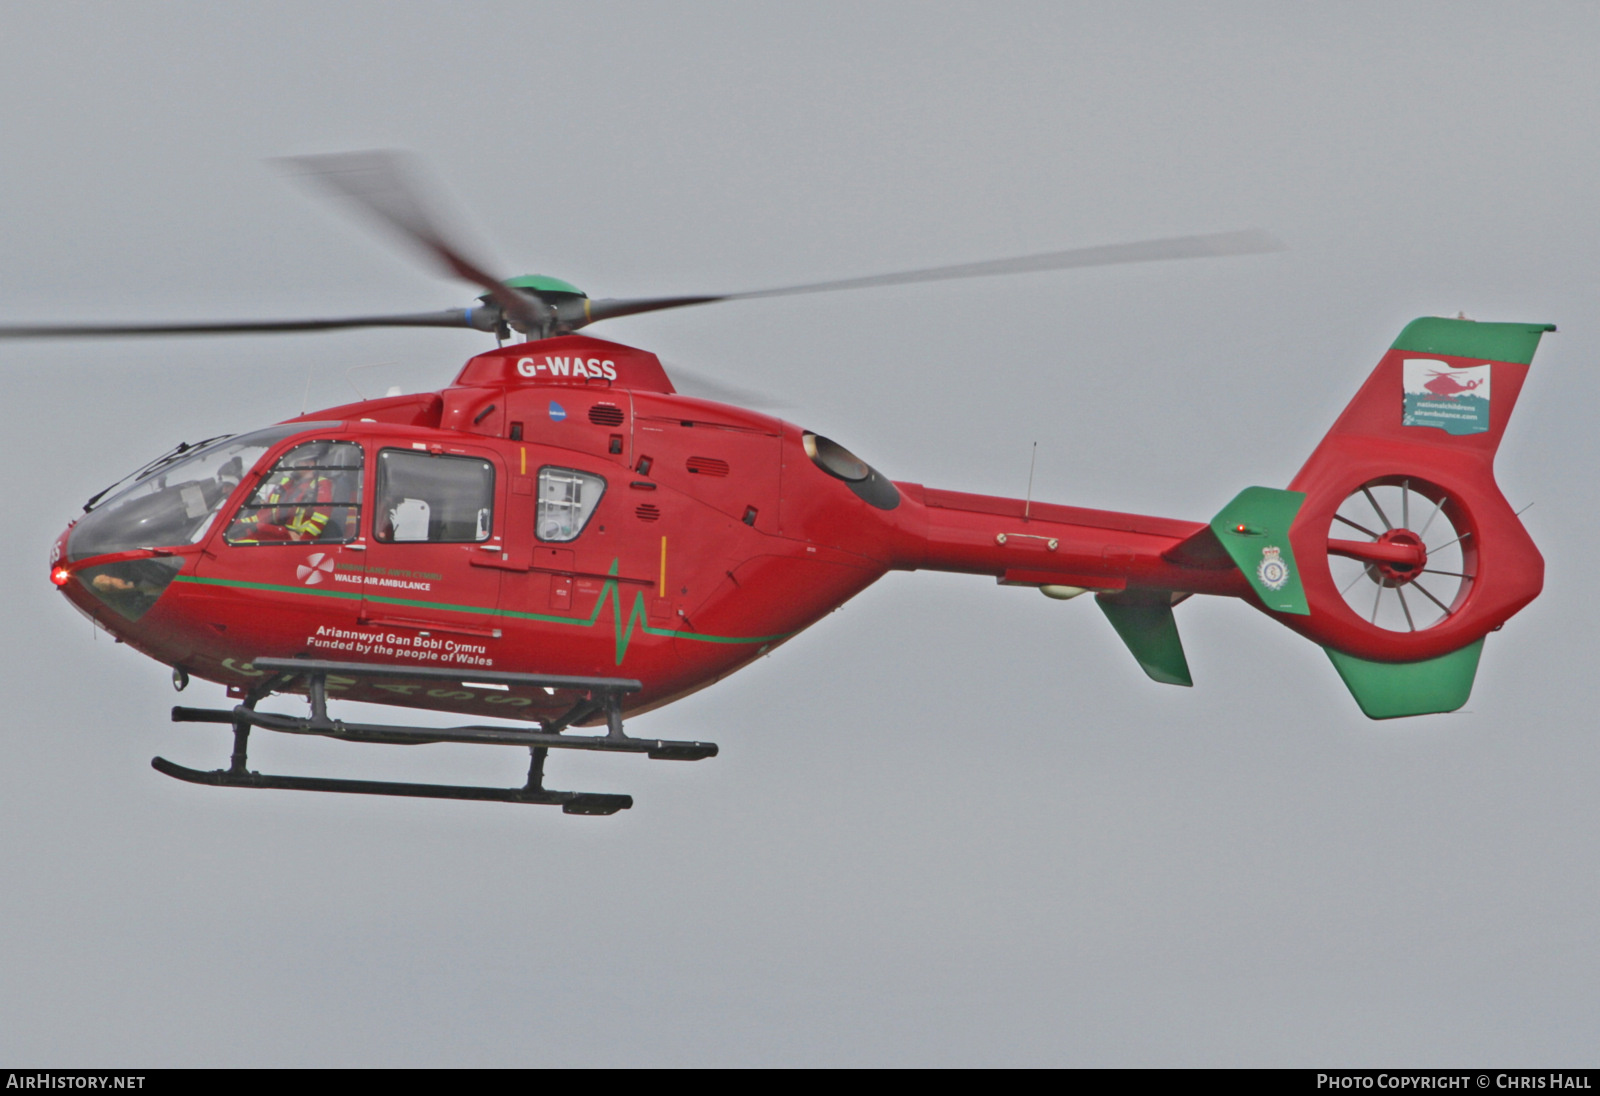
x: 952, y: 824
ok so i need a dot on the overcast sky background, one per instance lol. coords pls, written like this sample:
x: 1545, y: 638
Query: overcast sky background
x: 952, y: 824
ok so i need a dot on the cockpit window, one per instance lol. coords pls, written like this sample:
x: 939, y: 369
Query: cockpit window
x: 311, y: 496
x: 867, y: 482
x: 173, y: 504
x: 567, y: 498
x: 433, y: 498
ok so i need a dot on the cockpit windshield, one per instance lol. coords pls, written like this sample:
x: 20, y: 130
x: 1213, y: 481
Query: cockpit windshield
x: 174, y: 503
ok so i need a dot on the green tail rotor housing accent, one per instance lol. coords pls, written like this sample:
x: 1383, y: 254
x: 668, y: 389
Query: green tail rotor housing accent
x: 1500, y: 342
x: 1254, y: 530
x: 1389, y: 690
x: 1148, y: 628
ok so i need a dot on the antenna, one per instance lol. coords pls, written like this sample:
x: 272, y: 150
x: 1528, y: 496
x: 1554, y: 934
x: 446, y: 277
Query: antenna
x: 1027, y: 503
x: 356, y: 369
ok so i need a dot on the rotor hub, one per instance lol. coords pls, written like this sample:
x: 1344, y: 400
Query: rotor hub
x: 1395, y: 572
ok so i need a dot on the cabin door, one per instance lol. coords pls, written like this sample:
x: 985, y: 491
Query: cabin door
x: 432, y: 582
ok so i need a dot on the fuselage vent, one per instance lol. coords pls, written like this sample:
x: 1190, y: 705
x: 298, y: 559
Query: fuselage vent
x: 605, y: 414
x: 708, y: 466
x: 647, y: 511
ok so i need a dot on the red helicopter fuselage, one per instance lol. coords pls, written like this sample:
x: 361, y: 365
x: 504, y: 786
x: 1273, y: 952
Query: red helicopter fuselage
x: 717, y: 534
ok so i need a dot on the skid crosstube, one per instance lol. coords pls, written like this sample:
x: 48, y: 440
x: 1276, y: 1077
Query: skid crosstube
x: 597, y: 695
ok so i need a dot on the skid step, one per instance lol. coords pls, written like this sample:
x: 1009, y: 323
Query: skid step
x: 661, y: 749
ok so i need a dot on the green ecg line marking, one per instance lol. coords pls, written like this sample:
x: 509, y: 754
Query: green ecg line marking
x: 611, y: 591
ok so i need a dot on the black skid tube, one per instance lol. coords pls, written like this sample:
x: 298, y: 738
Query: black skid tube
x: 597, y: 803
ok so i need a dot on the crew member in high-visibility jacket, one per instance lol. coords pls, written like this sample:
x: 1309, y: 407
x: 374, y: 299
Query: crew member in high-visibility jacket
x: 292, y: 505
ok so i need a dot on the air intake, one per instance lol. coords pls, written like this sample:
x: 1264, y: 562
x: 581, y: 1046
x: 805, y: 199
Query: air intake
x: 708, y: 466
x: 647, y: 511
x: 605, y: 414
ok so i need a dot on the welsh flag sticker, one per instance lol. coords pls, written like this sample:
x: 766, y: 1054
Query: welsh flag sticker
x: 1453, y: 398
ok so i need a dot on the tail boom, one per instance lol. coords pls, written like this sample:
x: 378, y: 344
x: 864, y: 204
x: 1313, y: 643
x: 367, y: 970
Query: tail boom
x: 1038, y: 544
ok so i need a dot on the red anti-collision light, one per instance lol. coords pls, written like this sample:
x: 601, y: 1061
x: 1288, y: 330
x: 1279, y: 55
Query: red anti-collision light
x: 60, y: 575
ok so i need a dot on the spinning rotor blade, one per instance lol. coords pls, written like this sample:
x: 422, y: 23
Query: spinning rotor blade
x: 691, y: 382
x: 480, y: 319
x: 389, y: 188
x: 1250, y: 241
x: 384, y: 185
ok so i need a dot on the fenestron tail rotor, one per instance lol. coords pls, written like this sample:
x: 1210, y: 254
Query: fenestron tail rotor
x: 389, y: 188
x: 1401, y: 554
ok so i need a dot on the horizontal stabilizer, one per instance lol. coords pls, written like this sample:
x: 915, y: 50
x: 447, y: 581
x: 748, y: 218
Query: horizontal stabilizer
x: 1388, y: 690
x: 1145, y: 623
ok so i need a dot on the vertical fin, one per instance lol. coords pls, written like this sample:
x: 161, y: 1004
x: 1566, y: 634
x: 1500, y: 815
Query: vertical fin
x: 1254, y: 529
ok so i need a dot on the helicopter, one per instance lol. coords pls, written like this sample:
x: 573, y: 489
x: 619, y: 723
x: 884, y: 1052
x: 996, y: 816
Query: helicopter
x: 559, y: 539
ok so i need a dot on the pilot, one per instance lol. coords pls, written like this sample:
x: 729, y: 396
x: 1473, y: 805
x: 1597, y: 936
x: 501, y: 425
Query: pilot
x: 293, y: 506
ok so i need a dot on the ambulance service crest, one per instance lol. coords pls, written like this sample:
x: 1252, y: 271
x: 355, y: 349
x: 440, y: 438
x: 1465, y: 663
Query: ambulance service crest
x: 1272, y: 571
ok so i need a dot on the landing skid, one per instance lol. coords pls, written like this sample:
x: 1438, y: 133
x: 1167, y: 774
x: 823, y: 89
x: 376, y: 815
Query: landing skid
x: 598, y: 695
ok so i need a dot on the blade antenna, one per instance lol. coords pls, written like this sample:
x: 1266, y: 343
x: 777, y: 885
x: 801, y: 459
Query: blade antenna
x: 1028, y: 500
x: 348, y: 379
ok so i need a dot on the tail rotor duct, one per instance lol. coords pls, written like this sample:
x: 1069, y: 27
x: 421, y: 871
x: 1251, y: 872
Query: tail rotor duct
x: 1402, y: 554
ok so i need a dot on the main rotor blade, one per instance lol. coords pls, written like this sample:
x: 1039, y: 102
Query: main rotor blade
x: 478, y: 319
x: 386, y: 186
x: 1251, y: 241
x: 689, y: 382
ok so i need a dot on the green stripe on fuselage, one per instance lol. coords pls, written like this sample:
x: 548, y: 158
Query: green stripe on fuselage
x: 637, y: 619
